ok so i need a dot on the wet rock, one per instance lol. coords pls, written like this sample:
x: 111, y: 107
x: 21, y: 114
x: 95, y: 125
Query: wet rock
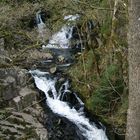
x: 61, y: 58
x: 61, y: 80
x: 53, y: 70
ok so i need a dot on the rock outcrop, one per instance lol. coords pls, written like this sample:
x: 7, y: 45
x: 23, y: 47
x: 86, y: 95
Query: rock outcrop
x: 20, y: 112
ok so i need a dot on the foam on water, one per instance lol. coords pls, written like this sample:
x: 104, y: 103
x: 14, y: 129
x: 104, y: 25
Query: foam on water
x: 57, y: 101
x: 60, y: 39
x: 71, y: 17
x: 41, y: 27
x: 45, y: 83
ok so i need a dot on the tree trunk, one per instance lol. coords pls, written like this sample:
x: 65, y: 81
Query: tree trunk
x: 133, y: 116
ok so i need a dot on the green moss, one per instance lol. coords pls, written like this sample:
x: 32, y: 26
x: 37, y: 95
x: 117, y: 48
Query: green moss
x: 109, y: 89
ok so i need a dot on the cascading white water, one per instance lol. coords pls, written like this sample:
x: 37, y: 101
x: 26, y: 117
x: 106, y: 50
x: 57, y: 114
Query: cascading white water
x: 62, y: 108
x: 62, y: 38
x: 57, y: 100
x: 41, y: 27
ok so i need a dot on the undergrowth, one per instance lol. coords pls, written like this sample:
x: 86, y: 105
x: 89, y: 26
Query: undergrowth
x: 100, y: 74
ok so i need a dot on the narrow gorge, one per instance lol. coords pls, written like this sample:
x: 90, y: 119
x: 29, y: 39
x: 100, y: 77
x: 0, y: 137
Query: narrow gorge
x: 61, y: 99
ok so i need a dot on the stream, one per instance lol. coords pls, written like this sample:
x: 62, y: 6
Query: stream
x: 60, y: 98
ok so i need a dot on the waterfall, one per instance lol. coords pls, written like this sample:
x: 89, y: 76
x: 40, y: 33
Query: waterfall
x: 63, y: 107
x: 60, y: 39
x: 41, y: 27
x: 63, y: 101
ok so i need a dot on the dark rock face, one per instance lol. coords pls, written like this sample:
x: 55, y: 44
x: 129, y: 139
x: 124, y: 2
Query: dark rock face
x: 59, y: 129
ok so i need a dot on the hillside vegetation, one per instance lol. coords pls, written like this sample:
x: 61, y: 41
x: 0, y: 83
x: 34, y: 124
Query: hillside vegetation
x: 100, y: 74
